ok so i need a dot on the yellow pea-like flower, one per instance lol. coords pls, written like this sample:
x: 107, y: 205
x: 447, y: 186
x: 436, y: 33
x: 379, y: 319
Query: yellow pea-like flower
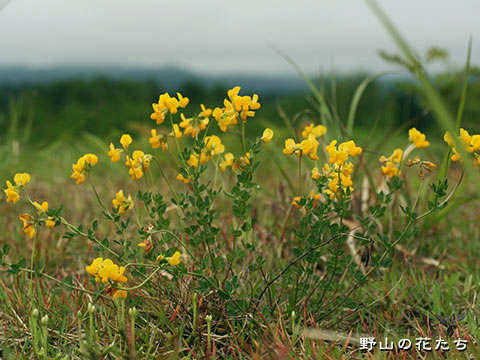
x: 21, y: 179
x: 267, y: 135
x: 114, y: 153
x: 228, y: 162
x: 183, y: 179
x: 418, y: 138
x: 174, y: 260
x: 28, y: 225
x: 126, y: 140
x: 11, y: 193
x: 122, y: 203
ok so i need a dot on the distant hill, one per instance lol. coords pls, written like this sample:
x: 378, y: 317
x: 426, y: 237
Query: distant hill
x: 170, y: 78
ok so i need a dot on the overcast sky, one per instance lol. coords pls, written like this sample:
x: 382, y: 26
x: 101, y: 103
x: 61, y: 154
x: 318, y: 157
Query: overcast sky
x: 211, y: 36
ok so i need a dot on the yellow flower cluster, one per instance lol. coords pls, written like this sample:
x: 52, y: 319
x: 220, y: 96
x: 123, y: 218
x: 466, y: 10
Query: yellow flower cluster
x: 194, y: 126
x: 340, y: 155
x: 418, y: 138
x: 338, y: 177
x: 470, y: 143
x: 20, y: 179
x: 338, y: 171
x: 158, y: 141
x: 167, y: 104
x: 316, y: 131
x: 138, y: 164
x: 313, y: 195
x: 392, y: 163
x: 236, y: 105
x: 42, y: 209
x: 213, y: 146
x: 105, y: 270
x: 306, y: 147
x: 83, y: 165
x: 122, y: 203
x: 234, y: 163
x: 29, y: 222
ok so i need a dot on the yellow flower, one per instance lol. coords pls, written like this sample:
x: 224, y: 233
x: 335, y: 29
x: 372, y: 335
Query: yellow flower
x: 244, y: 160
x: 94, y: 267
x: 475, y: 142
x: 315, y: 173
x: 28, y: 225
x: 313, y: 151
x: 336, y: 156
x: 418, y: 138
x: 392, y: 163
x: 182, y: 101
x: 83, y: 165
x: 160, y: 258
x: 316, y: 131
x: 126, y: 140
x: 197, y: 126
x: 21, y: 179
x: 290, y: 147
x: 105, y: 270
x: 139, y: 164
x: 11, y: 192
x: 43, y: 208
x: 174, y: 260
x: 122, y: 203
x: 158, y: 140
x: 350, y: 147
x: 205, y: 112
x: 471, y: 145
x: 192, y: 161
x: 295, y: 201
x: 119, y: 294
x: 390, y: 169
x: 146, y: 244
x: 183, y: 179
x: 228, y: 162
x: 267, y: 135
x: 114, y: 153
x: 305, y: 147
x: 176, y: 131
x: 243, y: 106
x: 167, y: 104
x: 214, y: 145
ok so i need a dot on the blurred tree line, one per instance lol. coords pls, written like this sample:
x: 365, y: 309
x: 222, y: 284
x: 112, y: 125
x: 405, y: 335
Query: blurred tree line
x: 108, y: 107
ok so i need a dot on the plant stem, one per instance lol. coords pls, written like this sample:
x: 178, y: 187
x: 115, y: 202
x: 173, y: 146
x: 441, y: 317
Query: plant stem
x: 300, y: 173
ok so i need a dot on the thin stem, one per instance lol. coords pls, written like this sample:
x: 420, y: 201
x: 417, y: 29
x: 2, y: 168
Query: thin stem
x: 244, y: 145
x: 64, y: 284
x: 30, y: 285
x: 166, y: 179
x: 300, y: 173
x: 139, y: 285
x: 96, y: 193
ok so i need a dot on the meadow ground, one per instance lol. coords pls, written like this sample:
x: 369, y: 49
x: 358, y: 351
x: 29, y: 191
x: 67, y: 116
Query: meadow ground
x: 277, y: 287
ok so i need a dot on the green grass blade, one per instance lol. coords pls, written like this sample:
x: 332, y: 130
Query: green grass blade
x: 442, y: 115
x: 357, y: 96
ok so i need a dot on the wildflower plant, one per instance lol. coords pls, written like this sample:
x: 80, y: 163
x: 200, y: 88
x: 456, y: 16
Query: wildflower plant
x: 175, y: 241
